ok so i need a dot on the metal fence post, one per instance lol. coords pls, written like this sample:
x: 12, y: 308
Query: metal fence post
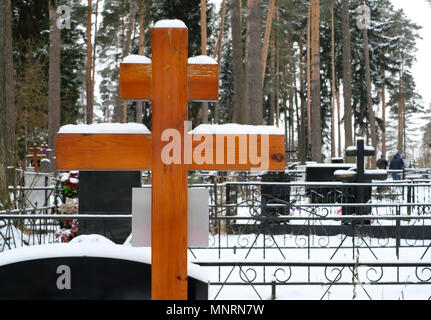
x: 273, y: 289
x: 398, y: 231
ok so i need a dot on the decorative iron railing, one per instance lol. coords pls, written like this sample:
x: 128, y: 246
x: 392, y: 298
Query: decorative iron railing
x: 265, y: 245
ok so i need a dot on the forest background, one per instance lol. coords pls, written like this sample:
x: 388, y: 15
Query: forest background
x: 326, y: 71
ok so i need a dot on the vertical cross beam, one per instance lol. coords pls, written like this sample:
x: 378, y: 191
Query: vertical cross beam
x: 169, y: 182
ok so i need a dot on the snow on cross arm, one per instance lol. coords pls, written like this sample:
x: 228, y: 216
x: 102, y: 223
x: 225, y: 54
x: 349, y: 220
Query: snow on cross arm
x: 233, y: 128
x: 201, y: 60
x: 134, y: 58
x: 105, y: 128
x: 174, y: 23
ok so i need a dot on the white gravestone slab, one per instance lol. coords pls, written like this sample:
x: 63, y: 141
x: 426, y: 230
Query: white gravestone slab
x: 198, y: 217
x: 36, y: 198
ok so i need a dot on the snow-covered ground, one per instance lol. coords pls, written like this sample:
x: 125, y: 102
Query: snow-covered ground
x: 366, y: 252
x: 301, y: 282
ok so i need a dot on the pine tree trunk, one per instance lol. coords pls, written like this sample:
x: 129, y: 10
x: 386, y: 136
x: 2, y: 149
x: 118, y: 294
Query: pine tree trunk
x: 277, y: 75
x: 333, y: 84
x: 308, y: 79
x: 297, y: 109
x: 239, y: 111
x: 370, y: 111
x: 93, y: 76
x: 266, y: 38
x: 384, y: 120
x: 292, y: 86
x: 316, y: 131
x: 219, y: 44
x: 400, y: 116
x: 253, y: 64
x: 127, y: 45
x: 8, y: 116
x: 302, y: 140
x: 272, y: 92
x: 140, y: 104
x: 89, y: 86
x: 118, y: 113
x: 54, y: 82
x: 130, y: 27
x: 339, y: 123
x: 347, y: 75
x: 204, y: 113
x: 218, y: 50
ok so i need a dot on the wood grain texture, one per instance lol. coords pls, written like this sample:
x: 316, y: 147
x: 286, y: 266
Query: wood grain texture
x: 169, y: 192
x: 133, y: 152
x: 103, y: 151
x: 203, y: 82
x: 239, y: 153
x: 136, y: 82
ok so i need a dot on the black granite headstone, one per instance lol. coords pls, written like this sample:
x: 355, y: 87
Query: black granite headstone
x: 83, y: 277
x: 361, y: 194
x: 107, y: 192
x: 337, y: 160
x: 275, y: 194
x: 324, y: 173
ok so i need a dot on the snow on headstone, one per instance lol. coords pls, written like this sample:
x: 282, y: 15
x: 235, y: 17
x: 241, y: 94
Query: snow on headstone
x: 174, y: 23
x: 136, y: 59
x: 93, y: 249
x: 347, y: 173
x: 376, y: 171
x: 105, y: 128
x: 201, y: 60
x: 45, y: 165
x: 128, y: 241
x: 233, y: 128
x: 92, y: 238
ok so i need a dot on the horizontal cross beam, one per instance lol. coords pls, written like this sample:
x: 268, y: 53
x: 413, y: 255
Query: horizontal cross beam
x: 136, y: 82
x: 133, y: 152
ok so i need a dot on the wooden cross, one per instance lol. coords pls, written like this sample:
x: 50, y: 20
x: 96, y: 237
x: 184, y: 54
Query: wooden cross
x: 45, y: 149
x: 170, y: 82
x: 37, y: 153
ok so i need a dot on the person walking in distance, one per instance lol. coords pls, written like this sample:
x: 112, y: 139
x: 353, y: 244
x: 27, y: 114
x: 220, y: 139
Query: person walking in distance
x: 396, y: 164
x: 382, y: 163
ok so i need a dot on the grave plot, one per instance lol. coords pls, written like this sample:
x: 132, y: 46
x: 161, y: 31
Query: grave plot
x: 113, y: 196
x: 75, y: 271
